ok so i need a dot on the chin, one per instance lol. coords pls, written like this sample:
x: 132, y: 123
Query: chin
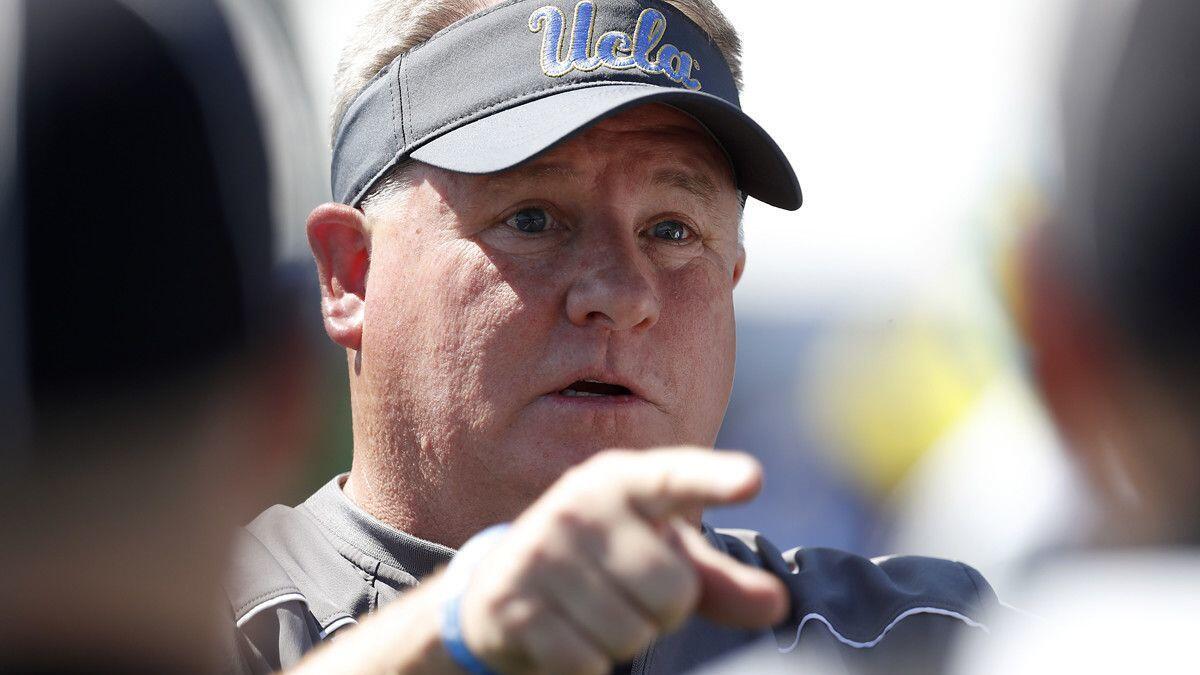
x: 543, y: 458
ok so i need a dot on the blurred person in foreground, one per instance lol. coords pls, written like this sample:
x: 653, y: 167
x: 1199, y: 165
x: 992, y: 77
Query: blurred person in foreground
x: 530, y: 265
x: 1112, y: 316
x: 160, y: 378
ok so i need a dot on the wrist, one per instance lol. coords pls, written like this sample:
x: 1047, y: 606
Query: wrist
x: 454, y: 643
x: 455, y: 583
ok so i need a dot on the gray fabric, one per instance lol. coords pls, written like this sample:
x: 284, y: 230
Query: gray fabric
x: 403, y: 556
x: 328, y: 563
x: 301, y: 574
x: 476, y: 98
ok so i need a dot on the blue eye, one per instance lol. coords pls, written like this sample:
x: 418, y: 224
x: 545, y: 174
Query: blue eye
x: 672, y: 230
x: 530, y: 221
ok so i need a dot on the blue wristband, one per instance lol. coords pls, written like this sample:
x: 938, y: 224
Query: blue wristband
x: 456, y: 646
x: 457, y: 576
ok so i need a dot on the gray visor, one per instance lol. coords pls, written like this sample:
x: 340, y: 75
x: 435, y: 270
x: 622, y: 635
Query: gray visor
x: 506, y: 84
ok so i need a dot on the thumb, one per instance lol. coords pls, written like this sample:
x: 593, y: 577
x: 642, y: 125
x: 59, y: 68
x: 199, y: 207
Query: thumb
x: 731, y: 593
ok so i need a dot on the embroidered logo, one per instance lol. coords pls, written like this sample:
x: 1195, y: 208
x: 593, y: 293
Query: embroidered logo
x: 615, y: 49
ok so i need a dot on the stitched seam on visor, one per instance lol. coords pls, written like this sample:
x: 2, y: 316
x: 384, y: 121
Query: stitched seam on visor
x: 398, y: 137
x: 405, y: 102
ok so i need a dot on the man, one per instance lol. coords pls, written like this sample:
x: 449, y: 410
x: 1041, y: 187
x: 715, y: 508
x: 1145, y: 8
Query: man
x: 531, y: 261
x: 158, y: 368
x: 1112, y: 317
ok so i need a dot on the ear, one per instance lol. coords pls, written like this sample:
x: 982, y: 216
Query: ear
x: 739, y: 266
x: 340, y: 244
x: 1074, y: 358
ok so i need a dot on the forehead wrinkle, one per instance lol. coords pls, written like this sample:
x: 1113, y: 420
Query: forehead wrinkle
x: 539, y: 172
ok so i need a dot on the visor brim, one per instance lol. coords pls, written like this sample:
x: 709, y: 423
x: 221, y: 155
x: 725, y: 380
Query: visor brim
x: 509, y: 137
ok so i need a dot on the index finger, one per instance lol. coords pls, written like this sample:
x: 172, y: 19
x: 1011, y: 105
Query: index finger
x: 662, y: 483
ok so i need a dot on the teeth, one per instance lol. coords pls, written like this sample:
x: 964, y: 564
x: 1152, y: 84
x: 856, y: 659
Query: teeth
x: 572, y: 393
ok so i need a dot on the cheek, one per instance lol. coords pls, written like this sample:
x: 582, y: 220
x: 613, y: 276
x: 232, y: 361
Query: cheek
x: 485, y: 323
x: 698, y: 321
x: 458, y: 330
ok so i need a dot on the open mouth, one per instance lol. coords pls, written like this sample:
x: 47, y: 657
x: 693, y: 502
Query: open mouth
x: 582, y: 388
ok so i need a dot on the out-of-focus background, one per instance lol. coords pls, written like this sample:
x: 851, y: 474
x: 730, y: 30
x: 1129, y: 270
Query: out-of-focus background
x: 879, y: 376
x: 1000, y: 207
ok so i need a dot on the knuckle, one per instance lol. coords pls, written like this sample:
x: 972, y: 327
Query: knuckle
x: 574, y: 526
x: 646, y: 634
x: 596, y: 666
x: 662, y: 485
x: 567, y: 519
x: 514, y: 615
x: 542, y: 559
x: 678, y: 592
x: 638, y: 636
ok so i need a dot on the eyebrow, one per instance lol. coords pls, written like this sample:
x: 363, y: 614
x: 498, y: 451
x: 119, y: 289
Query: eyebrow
x: 698, y: 184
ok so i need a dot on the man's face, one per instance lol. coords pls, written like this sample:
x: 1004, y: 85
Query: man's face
x: 493, y: 300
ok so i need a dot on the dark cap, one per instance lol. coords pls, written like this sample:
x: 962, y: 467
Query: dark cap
x: 506, y: 84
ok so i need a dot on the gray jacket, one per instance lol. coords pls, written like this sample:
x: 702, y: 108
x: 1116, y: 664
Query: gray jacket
x: 302, y: 574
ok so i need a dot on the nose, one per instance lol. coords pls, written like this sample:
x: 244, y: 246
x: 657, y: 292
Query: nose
x: 616, y: 292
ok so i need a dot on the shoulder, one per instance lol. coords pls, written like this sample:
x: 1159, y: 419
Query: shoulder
x: 907, y: 607
x: 289, y: 588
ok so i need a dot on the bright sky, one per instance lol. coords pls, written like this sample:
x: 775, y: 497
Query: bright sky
x: 900, y: 118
